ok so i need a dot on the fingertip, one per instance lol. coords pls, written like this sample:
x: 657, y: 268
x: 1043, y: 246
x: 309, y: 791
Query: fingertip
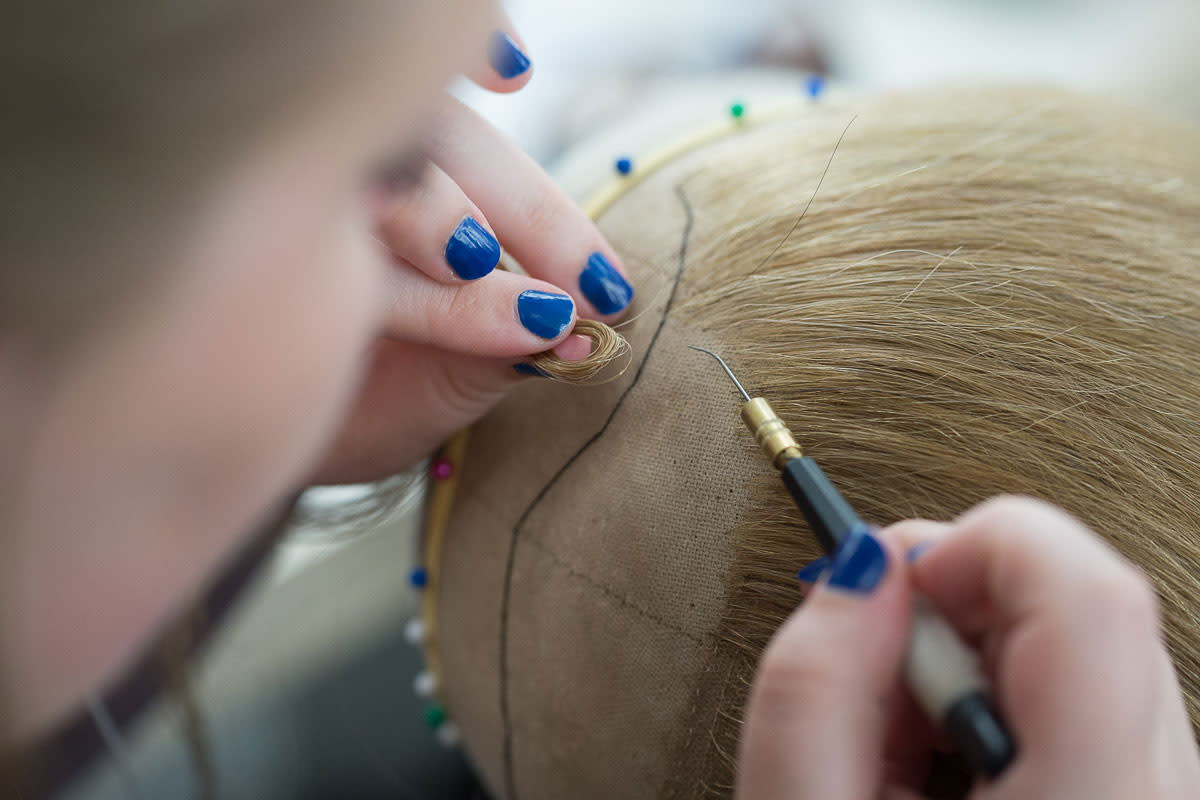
x: 441, y: 232
x: 605, y: 285
x: 859, y: 564
x: 860, y: 594
x: 574, y: 348
x: 549, y: 314
x: 472, y: 251
x: 528, y: 370
x: 1018, y: 513
x: 917, y: 550
x: 864, y: 572
x: 506, y: 66
x: 913, y: 537
x: 1021, y: 535
x: 811, y: 572
x: 828, y: 665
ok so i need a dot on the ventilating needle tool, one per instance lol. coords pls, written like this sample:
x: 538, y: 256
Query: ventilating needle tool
x: 942, y: 672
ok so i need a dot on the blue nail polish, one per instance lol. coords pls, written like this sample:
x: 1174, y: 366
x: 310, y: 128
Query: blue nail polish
x: 812, y: 571
x: 472, y: 251
x: 859, y: 564
x: 814, y: 86
x: 603, y: 286
x: 506, y: 58
x: 544, y: 314
x: 917, y: 550
x: 525, y: 368
x: 418, y: 577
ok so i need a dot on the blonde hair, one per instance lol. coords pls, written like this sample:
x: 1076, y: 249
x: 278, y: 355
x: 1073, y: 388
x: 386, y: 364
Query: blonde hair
x: 609, y: 357
x: 993, y: 291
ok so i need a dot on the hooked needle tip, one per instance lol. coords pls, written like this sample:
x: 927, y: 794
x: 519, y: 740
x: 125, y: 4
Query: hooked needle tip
x: 728, y: 371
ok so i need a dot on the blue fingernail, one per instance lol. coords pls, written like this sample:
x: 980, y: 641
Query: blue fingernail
x: 859, y: 563
x: 525, y: 368
x: 472, y: 251
x: 603, y: 286
x: 506, y: 58
x: 811, y: 572
x: 917, y: 550
x: 544, y: 314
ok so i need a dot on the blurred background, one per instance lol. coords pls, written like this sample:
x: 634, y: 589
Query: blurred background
x: 307, y: 689
x: 590, y: 58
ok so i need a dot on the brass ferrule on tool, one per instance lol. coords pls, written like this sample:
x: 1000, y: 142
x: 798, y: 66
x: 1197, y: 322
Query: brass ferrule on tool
x: 770, y: 432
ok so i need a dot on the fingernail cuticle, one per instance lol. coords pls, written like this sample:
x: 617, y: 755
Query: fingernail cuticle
x: 505, y: 57
x: 859, y: 564
x: 545, y: 314
x: 603, y: 286
x: 472, y: 251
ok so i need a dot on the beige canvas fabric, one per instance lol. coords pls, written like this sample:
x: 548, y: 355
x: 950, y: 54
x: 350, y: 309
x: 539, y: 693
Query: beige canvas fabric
x: 618, y: 570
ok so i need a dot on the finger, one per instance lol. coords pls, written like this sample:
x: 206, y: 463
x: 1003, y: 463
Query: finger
x: 502, y: 63
x: 1078, y: 625
x: 548, y: 234
x: 437, y: 229
x: 818, y: 712
x: 900, y: 793
x: 574, y: 348
x: 440, y: 392
x: 1014, y: 557
x: 507, y: 315
x: 917, y: 537
x: 909, y: 742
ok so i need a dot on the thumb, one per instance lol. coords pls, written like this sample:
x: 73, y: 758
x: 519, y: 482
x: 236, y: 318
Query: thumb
x: 414, y: 397
x: 818, y: 711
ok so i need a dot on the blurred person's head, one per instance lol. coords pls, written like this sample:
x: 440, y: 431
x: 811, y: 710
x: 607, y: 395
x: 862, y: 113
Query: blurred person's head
x: 189, y: 290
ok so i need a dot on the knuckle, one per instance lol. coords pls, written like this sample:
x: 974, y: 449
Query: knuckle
x: 1005, y: 508
x: 910, y: 532
x: 410, y: 207
x: 436, y: 313
x: 1122, y: 593
x: 461, y: 303
x: 541, y: 217
x: 411, y: 311
x: 460, y: 395
x: 1019, y: 516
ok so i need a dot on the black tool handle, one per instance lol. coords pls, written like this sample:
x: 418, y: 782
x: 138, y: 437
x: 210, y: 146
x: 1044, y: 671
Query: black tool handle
x: 940, y: 669
x: 829, y: 515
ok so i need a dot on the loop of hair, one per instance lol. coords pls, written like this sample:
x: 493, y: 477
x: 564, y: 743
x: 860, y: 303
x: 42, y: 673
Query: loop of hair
x: 608, y: 360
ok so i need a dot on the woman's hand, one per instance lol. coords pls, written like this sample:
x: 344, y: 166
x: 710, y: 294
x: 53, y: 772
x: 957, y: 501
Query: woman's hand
x: 459, y: 330
x: 1070, y: 637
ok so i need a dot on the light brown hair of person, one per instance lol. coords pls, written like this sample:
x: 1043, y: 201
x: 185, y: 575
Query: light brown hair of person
x: 119, y: 117
x: 993, y: 292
